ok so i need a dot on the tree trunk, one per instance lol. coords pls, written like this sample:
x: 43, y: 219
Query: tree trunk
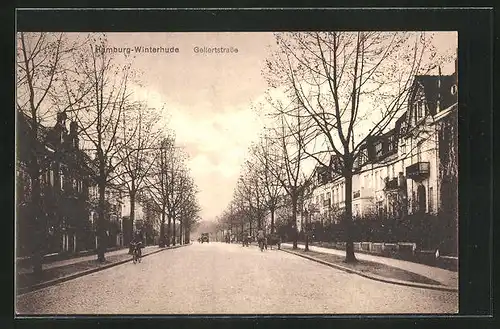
x: 272, y: 220
x: 162, y: 229
x: 37, y: 247
x: 174, y: 233
x: 294, y: 223
x: 306, y: 233
x: 101, y: 229
x: 349, y: 246
x: 181, y: 232
x: 169, y: 227
x: 242, y: 229
x: 132, y: 216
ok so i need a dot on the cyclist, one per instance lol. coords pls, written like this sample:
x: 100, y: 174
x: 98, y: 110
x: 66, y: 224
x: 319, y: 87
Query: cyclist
x: 261, y: 237
x: 136, y: 244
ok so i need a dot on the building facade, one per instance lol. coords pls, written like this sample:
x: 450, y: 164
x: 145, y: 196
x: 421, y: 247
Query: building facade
x: 69, y: 195
x: 65, y: 178
x: 409, y: 170
x: 112, y: 215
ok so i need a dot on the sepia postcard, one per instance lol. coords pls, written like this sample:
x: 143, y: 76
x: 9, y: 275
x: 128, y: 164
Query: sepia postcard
x: 236, y: 173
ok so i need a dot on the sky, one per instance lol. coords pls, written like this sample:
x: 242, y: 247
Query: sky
x: 208, y: 98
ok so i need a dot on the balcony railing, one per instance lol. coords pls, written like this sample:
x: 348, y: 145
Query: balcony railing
x: 418, y: 171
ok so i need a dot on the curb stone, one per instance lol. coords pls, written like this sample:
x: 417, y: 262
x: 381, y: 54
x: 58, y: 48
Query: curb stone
x: 376, y: 277
x: 49, y: 283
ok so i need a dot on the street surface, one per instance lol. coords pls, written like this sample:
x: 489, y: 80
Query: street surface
x: 219, y: 278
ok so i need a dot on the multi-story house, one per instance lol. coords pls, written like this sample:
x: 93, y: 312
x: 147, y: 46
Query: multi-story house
x: 410, y: 169
x: 65, y: 177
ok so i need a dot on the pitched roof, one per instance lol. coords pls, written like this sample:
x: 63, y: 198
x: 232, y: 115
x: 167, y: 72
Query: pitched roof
x: 437, y: 87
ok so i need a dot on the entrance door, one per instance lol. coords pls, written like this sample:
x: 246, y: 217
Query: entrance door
x: 421, y: 199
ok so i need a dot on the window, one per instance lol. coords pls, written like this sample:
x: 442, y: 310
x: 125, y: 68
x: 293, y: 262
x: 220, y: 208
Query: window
x: 380, y: 208
x: 328, y: 196
x: 390, y: 143
x: 413, y: 202
x: 378, y: 149
x: 51, y: 177
x: 392, y: 172
x: 421, y: 199
x: 356, y: 210
x: 419, y: 110
x: 431, y: 197
x: 337, y: 196
x: 61, y: 179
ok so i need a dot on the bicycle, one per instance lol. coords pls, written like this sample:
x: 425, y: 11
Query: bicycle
x: 261, y: 245
x: 136, y: 254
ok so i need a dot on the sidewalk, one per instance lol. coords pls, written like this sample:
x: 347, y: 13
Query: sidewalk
x: 64, y: 270
x: 46, y: 266
x: 444, y: 277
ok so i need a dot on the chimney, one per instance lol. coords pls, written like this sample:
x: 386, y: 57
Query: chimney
x: 438, y: 101
x: 61, y: 118
x: 73, y: 128
x: 73, y: 133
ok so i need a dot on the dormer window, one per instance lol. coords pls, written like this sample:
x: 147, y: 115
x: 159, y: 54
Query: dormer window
x: 390, y: 143
x: 420, y: 110
x: 378, y: 149
x: 61, y: 180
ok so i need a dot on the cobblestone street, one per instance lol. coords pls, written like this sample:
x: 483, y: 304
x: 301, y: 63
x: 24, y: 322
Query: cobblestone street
x: 218, y: 278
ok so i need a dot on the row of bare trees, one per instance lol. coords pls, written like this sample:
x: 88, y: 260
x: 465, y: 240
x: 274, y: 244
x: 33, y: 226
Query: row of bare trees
x: 273, y: 178
x: 61, y: 73
x: 172, y: 192
x: 330, y: 93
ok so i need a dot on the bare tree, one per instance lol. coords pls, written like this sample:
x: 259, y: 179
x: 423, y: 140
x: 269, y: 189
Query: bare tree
x: 101, y: 124
x: 44, y: 62
x: 136, y: 157
x: 189, y: 211
x: 269, y: 176
x: 157, y: 184
x: 288, y: 143
x: 249, y: 198
x: 350, y: 86
x: 169, y: 185
x: 183, y: 187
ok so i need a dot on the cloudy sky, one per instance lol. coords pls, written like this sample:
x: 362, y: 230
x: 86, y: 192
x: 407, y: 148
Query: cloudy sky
x: 208, y: 99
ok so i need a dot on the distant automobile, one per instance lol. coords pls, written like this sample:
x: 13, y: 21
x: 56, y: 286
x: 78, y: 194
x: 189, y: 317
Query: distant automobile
x: 204, y: 237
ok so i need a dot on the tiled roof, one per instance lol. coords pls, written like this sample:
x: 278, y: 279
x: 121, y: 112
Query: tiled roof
x: 437, y: 87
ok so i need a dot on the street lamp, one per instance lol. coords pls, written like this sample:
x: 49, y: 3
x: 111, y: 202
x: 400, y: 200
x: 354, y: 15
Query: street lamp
x: 306, y: 231
x: 308, y: 212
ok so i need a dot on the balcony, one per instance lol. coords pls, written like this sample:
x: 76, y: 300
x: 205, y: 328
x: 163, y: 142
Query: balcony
x: 418, y: 171
x: 391, y: 184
